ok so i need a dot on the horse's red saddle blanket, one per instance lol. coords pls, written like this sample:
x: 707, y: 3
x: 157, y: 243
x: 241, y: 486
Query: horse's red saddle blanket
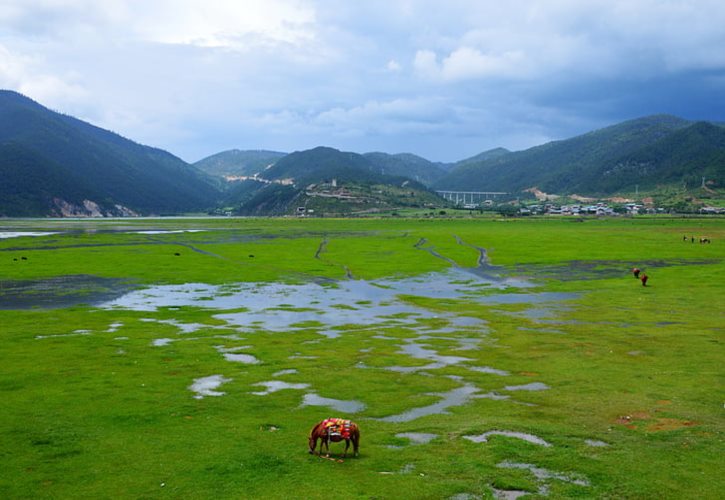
x: 337, y: 427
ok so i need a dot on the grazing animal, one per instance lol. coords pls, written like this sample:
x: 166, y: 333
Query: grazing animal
x: 335, y: 430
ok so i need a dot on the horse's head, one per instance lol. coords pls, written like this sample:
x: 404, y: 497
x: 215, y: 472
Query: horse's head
x: 313, y: 442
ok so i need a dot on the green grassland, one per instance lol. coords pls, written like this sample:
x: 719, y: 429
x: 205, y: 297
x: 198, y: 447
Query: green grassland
x: 92, y: 408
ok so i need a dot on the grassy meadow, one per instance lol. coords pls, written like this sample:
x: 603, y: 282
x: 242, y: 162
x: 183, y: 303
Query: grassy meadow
x: 551, y: 372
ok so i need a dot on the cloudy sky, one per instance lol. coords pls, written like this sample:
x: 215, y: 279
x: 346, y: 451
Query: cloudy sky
x: 443, y: 79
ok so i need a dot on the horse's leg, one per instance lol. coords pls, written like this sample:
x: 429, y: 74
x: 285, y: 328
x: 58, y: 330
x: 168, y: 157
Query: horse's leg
x: 347, y: 445
x: 355, y: 443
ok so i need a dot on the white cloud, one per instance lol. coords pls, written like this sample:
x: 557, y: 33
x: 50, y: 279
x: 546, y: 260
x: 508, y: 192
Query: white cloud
x: 226, y: 23
x: 393, y: 66
x: 26, y: 75
x: 190, y: 75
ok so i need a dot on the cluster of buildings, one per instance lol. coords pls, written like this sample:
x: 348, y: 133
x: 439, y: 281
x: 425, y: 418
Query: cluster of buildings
x: 595, y: 209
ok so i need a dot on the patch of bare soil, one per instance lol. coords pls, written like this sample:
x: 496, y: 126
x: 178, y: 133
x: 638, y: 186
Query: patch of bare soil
x: 645, y: 420
x: 668, y: 424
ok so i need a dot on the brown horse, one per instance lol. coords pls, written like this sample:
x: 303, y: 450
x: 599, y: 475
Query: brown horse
x: 335, y: 430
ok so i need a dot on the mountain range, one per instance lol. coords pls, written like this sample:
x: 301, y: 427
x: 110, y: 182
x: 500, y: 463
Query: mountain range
x: 56, y: 165
x: 53, y: 164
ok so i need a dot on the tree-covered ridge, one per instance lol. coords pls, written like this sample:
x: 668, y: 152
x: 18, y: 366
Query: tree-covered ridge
x: 238, y: 163
x: 407, y: 165
x: 321, y: 163
x: 112, y: 169
x: 579, y: 164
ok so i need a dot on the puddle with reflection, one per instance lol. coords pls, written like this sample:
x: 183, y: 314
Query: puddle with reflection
x: 205, y: 386
x: 417, y: 351
x: 284, y: 372
x: 543, y: 475
x: 489, y: 370
x: 161, y: 342
x: 183, y: 327
x: 277, y: 385
x: 232, y: 354
x: 280, y: 307
x: 60, y: 291
x: 417, y: 437
x: 312, y: 399
x: 20, y: 234
x: 533, y: 386
x: 508, y: 494
x: 456, y: 397
x: 530, y: 438
x: 168, y: 231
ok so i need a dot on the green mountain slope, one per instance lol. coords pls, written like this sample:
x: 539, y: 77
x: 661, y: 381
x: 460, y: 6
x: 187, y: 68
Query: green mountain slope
x: 238, y: 163
x: 321, y: 163
x: 491, y: 154
x: 567, y: 166
x: 684, y: 158
x: 110, y: 169
x: 407, y: 165
x: 32, y: 193
x: 325, y: 180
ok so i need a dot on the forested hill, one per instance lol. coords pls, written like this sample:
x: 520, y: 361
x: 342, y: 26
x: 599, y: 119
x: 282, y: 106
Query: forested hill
x: 53, y: 164
x: 645, y: 152
x: 321, y: 163
x: 237, y: 163
x: 408, y: 165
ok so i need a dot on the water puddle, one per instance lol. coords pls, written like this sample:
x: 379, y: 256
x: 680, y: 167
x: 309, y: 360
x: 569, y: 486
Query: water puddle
x: 206, y: 386
x: 163, y: 231
x: 277, y: 385
x: 60, y: 291
x: 183, y: 327
x: 456, y: 397
x: 417, y: 351
x: 534, y: 386
x: 312, y: 399
x: 161, y: 342
x: 75, y: 333
x: 508, y: 494
x: 489, y: 370
x: 19, y: 234
x: 280, y: 307
x: 595, y: 443
x: 417, y: 437
x: 232, y: 354
x: 290, y: 371
x: 543, y: 475
x: 529, y: 438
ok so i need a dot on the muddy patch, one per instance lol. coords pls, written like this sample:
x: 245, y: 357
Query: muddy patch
x: 577, y: 270
x: 668, y: 424
x: 61, y: 291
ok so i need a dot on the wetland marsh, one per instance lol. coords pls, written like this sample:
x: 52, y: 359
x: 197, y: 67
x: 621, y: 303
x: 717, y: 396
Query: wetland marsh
x: 189, y: 358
